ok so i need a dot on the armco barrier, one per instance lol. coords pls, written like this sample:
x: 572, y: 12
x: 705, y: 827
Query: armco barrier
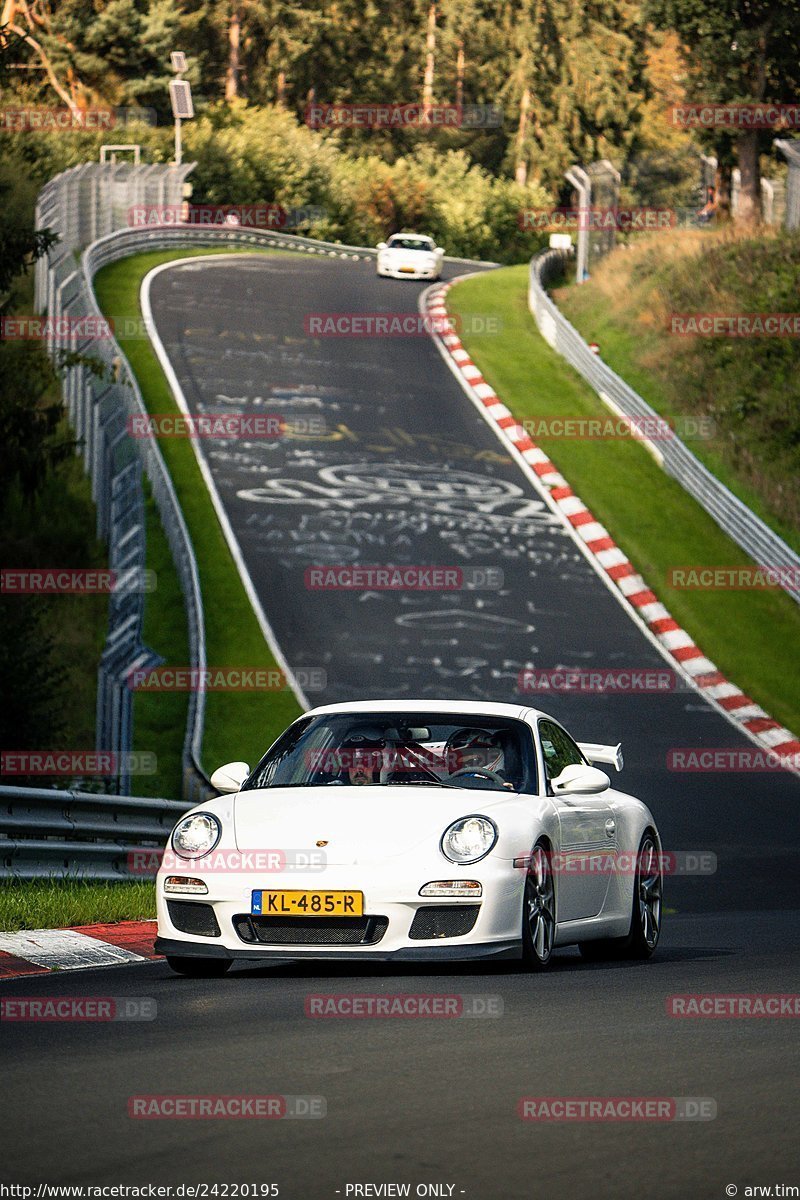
x: 100, y: 392
x: 731, y: 514
x: 64, y: 834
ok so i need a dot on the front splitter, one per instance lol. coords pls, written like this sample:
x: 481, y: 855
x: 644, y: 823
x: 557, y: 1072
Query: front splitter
x: 496, y: 950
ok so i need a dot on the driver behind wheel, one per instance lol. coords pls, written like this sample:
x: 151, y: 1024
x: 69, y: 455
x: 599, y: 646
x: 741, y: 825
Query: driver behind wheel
x: 475, y: 749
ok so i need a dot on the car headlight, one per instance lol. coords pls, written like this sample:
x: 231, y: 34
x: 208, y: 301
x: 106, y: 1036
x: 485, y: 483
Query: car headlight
x: 196, y: 835
x: 469, y: 839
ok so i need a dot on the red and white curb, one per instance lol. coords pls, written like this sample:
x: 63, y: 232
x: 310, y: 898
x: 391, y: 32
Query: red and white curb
x: 39, y: 951
x: 600, y: 547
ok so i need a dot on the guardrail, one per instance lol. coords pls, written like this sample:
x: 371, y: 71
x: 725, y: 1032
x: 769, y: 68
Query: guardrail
x: 730, y: 513
x: 100, y: 392
x: 64, y: 834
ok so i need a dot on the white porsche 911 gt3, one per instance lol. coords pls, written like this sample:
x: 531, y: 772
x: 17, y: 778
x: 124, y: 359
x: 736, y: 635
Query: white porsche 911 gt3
x: 409, y: 256
x: 413, y: 830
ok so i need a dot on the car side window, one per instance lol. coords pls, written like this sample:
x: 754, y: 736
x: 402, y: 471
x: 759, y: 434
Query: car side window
x: 558, y: 749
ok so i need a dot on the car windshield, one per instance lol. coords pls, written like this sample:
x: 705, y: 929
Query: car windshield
x: 401, y: 242
x: 409, y: 749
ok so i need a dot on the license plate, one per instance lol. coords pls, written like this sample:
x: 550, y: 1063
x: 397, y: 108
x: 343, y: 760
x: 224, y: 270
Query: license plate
x: 408, y: 270
x: 307, y: 904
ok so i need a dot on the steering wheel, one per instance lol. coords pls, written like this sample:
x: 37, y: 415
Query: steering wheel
x: 493, y: 775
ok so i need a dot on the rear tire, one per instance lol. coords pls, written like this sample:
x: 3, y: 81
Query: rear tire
x: 199, y: 968
x: 645, y: 930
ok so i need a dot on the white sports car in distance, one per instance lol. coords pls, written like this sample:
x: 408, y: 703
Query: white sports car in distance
x: 410, y: 256
x: 413, y: 830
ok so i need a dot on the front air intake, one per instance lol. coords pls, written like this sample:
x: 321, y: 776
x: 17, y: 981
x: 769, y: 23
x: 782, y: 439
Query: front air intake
x: 443, y: 921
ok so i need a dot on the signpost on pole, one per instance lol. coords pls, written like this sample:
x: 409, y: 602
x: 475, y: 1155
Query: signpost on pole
x: 180, y: 95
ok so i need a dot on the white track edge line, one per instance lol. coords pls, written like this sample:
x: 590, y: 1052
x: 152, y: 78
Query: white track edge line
x: 205, y: 470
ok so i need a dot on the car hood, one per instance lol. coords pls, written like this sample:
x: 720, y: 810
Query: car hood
x: 359, y: 824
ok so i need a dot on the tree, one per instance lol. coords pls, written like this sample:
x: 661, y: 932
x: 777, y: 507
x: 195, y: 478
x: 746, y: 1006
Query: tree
x: 739, y: 52
x: 430, y: 56
x: 663, y: 167
x: 576, y: 83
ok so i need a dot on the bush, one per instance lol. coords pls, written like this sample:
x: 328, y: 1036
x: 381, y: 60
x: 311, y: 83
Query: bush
x: 261, y: 155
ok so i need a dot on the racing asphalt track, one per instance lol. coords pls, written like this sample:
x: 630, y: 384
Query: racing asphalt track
x: 414, y: 475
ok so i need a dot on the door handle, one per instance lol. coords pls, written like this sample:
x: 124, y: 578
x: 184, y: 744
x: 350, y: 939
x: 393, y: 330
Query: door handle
x: 611, y: 827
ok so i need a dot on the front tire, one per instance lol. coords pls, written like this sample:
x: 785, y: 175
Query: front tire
x: 538, y: 911
x: 199, y: 968
x: 645, y: 930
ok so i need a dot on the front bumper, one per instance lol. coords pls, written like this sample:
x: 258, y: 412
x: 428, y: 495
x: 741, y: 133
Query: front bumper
x: 396, y: 273
x: 399, y: 923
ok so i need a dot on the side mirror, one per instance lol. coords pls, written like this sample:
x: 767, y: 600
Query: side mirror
x: 580, y: 780
x: 438, y: 250
x: 381, y: 246
x: 230, y: 777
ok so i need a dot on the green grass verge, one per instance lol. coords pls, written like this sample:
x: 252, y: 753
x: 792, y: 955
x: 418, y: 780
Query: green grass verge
x: 238, y: 725
x: 638, y: 348
x: 55, y: 903
x: 747, y: 634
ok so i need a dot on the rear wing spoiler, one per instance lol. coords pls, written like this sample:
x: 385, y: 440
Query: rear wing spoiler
x: 603, y: 754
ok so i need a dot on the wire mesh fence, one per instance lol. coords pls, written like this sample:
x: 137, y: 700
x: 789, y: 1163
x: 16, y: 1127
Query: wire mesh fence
x: 84, y: 206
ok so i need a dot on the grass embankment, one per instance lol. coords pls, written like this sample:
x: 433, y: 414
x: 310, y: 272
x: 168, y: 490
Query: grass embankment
x: 746, y: 388
x: 55, y: 903
x: 238, y: 724
x: 749, y: 635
